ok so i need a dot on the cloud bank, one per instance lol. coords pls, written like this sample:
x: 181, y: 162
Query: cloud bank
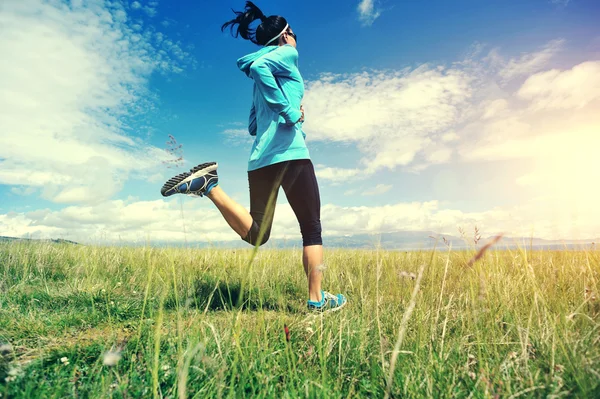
x: 75, y: 73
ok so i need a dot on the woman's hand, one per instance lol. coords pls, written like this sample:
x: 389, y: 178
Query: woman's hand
x: 301, y: 110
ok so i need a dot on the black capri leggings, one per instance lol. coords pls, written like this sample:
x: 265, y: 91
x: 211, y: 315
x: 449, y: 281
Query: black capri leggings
x: 300, y: 186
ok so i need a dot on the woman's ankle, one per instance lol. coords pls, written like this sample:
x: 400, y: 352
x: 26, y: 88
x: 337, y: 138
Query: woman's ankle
x: 315, y: 295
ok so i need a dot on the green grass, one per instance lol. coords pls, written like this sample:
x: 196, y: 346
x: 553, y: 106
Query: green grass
x: 210, y: 323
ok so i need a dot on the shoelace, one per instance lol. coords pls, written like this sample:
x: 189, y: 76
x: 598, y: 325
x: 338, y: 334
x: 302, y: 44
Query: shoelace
x: 328, y: 296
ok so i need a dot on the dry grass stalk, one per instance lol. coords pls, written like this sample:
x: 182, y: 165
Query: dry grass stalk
x: 483, y: 249
x: 402, y: 332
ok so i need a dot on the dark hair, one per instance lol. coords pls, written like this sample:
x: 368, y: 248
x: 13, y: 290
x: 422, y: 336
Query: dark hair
x: 267, y: 30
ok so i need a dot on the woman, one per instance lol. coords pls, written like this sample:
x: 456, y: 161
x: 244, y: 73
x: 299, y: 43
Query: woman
x: 279, y: 157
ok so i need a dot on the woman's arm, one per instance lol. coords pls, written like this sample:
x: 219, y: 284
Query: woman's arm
x: 263, y: 71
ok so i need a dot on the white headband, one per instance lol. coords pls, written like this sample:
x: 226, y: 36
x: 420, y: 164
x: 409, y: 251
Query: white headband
x: 276, y: 37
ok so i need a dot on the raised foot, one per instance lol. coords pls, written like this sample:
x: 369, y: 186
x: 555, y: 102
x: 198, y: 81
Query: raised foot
x: 198, y: 181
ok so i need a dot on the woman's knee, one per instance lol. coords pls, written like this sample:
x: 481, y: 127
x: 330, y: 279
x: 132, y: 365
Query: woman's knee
x: 256, y: 236
x: 311, y: 233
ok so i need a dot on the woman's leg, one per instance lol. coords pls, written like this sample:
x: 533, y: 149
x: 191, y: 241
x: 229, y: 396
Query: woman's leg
x: 236, y: 215
x: 302, y: 191
x: 253, y: 227
x: 264, y: 186
x: 312, y: 258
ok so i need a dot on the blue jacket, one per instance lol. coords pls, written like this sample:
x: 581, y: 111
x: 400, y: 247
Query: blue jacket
x: 277, y: 95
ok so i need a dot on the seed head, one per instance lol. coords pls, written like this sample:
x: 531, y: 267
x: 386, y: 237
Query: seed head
x: 111, y: 358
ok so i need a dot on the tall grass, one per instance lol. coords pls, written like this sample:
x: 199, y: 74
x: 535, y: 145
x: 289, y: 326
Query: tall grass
x: 190, y: 323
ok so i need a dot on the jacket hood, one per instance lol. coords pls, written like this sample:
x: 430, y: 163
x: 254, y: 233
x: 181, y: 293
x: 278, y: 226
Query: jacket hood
x: 246, y: 61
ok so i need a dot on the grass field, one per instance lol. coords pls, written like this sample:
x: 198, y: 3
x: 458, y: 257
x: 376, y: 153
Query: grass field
x: 84, y: 321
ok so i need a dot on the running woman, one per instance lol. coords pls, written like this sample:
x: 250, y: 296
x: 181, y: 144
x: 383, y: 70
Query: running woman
x: 279, y: 156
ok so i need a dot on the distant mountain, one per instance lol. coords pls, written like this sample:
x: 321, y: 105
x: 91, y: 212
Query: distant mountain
x: 53, y: 240
x: 416, y: 240
x: 400, y: 240
x: 429, y: 240
x: 405, y: 240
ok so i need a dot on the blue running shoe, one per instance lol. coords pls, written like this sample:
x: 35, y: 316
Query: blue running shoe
x: 328, y: 303
x: 198, y: 181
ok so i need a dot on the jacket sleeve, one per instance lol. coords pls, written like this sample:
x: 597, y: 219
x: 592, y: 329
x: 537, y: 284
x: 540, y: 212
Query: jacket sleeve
x: 252, y: 121
x: 263, y: 71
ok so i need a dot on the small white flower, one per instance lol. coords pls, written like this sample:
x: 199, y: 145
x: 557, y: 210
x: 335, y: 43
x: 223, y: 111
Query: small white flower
x: 112, y: 303
x: 119, y: 284
x: 10, y: 378
x: 407, y: 275
x: 559, y: 368
x: 134, y: 292
x: 166, y: 367
x: 111, y: 358
x: 64, y: 360
x: 5, y: 348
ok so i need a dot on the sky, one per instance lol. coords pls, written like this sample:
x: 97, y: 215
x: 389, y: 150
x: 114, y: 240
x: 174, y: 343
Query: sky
x: 420, y: 115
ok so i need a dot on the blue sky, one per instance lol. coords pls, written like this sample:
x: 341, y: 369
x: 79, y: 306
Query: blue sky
x: 420, y: 115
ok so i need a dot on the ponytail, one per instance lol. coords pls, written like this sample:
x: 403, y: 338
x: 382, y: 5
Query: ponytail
x: 269, y: 26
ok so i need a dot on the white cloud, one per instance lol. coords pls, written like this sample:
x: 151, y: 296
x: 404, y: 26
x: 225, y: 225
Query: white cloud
x: 367, y: 12
x: 571, y: 89
x: 75, y: 72
x: 132, y: 221
x: 391, y: 116
x: 439, y: 155
x: 546, y: 118
x: 129, y: 221
x: 450, y: 136
x: 335, y: 175
x: 529, y: 63
x: 552, y: 110
x: 237, y: 136
x: 379, y: 189
x: 414, y: 118
x: 24, y: 191
x: 151, y: 11
x: 551, y: 122
x: 494, y: 108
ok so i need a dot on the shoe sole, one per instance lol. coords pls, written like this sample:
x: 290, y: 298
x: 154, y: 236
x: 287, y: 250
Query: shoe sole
x: 336, y: 309
x: 315, y: 311
x: 185, y: 177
